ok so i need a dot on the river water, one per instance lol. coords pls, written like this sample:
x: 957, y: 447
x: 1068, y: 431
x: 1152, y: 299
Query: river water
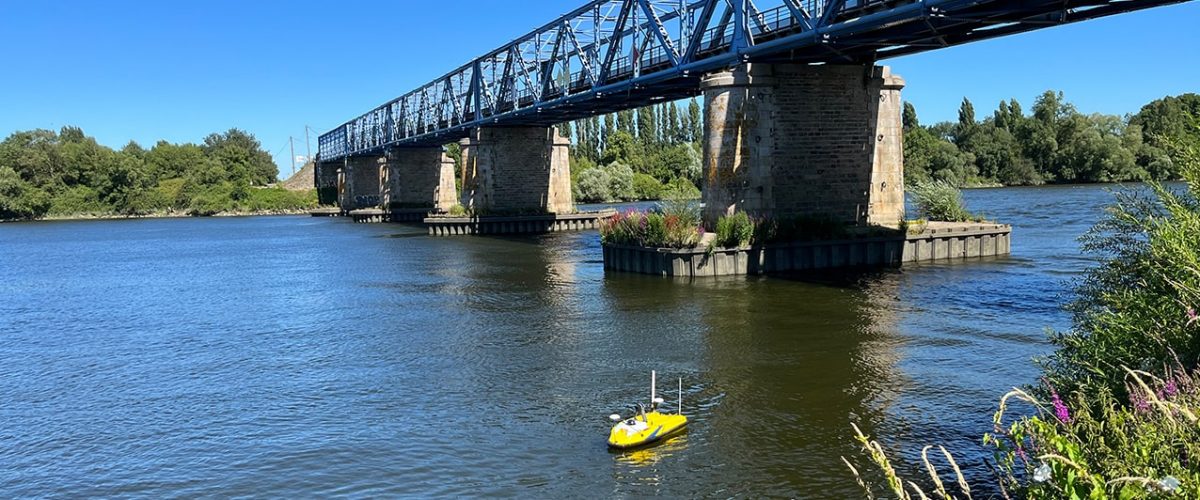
x: 297, y: 356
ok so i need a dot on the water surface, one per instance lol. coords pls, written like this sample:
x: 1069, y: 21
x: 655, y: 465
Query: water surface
x: 296, y: 356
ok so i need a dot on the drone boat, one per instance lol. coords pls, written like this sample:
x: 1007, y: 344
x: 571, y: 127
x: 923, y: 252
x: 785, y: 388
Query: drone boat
x: 643, y: 428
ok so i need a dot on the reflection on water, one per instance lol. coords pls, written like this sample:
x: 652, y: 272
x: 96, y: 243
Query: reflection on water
x: 289, y: 356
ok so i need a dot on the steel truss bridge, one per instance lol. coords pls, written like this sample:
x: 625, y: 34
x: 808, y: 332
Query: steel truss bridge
x: 610, y: 55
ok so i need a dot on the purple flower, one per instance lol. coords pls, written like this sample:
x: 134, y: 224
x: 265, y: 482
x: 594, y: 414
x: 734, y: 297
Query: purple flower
x: 1139, y: 402
x: 1191, y: 316
x: 1171, y: 389
x: 1060, y: 409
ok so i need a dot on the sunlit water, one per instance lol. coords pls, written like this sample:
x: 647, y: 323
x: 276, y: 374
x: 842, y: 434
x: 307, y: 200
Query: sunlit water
x: 296, y: 356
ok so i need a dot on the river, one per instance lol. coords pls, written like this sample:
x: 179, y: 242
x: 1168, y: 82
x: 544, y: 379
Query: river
x: 297, y: 356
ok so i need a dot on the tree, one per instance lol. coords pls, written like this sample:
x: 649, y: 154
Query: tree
x: 173, y: 161
x: 243, y: 157
x: 909, y: 116
x: 621, y: 147
x: 674, y: 131
x: 966, y: 122
x: 625, y: 122
x: 695, y: 124
x: 19, y: 199
x: 647, y: 126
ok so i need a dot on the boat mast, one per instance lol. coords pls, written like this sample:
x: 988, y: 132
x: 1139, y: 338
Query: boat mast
x: 651, y: 388
x: 680, y: 396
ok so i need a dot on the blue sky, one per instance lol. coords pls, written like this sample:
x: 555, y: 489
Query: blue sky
x: 144, y: 71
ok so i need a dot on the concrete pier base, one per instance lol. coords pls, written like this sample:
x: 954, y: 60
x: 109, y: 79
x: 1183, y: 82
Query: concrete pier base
x: 791, y: 140
x: 937, y: 242
x: 517, y: 224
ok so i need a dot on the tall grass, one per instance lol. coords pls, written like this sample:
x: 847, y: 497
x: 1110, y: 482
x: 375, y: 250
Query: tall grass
x: 940, y: 201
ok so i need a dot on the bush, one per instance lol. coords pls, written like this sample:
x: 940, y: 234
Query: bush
x: 279, y: 199
x: 735, y: 230
x: 940, y: 201
x: 675, y: 228
x: 682, y: 189
x: 592, y: 185
x: 646, y: 187
x: 1105, y: 425
x: 20, y: 199
x: 78, y: 199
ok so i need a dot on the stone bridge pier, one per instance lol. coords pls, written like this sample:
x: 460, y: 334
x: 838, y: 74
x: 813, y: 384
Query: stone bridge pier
x: 788, y: 140
x: 360, y: 182
x: 419, y: 178
x: 517, y: 170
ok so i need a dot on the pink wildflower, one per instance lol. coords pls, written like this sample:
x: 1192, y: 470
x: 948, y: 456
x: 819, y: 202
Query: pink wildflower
x: 1060, y: 409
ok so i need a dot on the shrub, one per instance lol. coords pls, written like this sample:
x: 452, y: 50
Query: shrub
x: 78, y: 199
x: 680, y: 188
x: 651, y: 229
x: 592, y: 185
x: 940, y: 201
x: 646, y: 187
x: 1104, y: 426
x: 735, y: 230
x: 279, y: 199
x: 20, y: 199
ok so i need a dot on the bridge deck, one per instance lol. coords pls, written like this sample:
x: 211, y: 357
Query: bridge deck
x: 611, y: 55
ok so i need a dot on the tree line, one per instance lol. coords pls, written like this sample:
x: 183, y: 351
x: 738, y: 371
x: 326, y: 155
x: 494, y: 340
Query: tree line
x: 1055, y: 143
x: 43, y: 173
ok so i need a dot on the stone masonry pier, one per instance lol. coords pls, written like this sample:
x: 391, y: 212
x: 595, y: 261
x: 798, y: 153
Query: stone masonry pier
x: 517, y: 170
x: 789, y: 140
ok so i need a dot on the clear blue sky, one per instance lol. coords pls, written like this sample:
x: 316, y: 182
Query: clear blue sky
x: 150, y: 70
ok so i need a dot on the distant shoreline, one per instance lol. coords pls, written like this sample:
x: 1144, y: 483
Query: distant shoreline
x: 159, y: 215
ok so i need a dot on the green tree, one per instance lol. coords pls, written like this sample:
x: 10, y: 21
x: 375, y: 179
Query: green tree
x: 647, y: 126
x: 695, y: 123
x: 909, y: 116
x: 243, y: 157
x: 19, y: 199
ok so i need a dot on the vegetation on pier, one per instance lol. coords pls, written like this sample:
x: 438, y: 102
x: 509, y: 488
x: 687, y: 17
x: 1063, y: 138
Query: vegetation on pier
x: 65, y: 174
x: 1117, y: 414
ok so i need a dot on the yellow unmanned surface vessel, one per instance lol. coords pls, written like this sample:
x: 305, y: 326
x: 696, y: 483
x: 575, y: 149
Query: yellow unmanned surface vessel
x: 643, y: 428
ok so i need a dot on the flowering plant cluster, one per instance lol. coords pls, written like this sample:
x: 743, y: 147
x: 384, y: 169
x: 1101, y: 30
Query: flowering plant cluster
x: 672, y: 226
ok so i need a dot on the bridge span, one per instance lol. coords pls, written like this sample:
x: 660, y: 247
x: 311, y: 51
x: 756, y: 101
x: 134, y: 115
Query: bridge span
x: 798, y: 118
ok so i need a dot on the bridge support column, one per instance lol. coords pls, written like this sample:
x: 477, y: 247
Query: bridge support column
x: 325, y: 179
x: 362, y: 181
x: 518, y: 170
x: 420, y: 178
x: 804, y: 141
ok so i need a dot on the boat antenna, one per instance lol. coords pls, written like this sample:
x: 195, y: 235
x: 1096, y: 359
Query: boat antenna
x: 680, y: 395
x: 651, y: 387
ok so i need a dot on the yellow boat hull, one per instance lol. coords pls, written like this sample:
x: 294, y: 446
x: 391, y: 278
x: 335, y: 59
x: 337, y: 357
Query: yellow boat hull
x: 653, y: 428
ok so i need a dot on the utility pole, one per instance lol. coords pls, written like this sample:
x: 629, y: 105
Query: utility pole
x: 307, y: 148
x: 292, y: 149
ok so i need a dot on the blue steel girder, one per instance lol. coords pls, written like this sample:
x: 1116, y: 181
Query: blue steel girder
x: 610, y: 55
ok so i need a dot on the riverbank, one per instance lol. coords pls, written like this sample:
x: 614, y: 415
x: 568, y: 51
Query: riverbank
x: 173, y: 214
